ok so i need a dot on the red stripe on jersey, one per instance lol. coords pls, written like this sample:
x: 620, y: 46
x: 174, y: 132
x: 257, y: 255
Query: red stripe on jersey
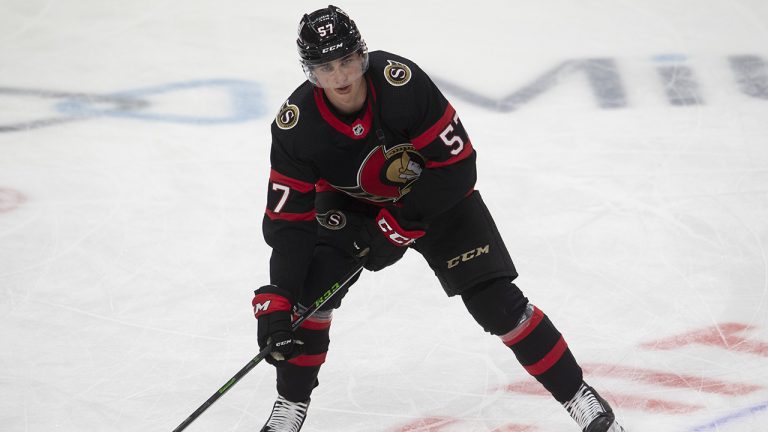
x: 465, y: 153
x: 339, y: 125
x: 518, y: 334
x: 430, y: 134
x: 291, y: 216
x: 293, y: 183
x: 549, y: 359
x: 322, y: 185
x: 309, y: 359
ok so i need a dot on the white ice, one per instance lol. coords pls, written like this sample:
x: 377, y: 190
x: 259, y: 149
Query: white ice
x: 134, y: 142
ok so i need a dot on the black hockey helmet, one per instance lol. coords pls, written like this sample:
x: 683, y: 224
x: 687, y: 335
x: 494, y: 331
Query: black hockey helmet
x: 328, y: 34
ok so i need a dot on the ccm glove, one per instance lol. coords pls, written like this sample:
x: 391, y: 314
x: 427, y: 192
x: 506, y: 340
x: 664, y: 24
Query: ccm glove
x: 273, y: 310
x: 383, y: 241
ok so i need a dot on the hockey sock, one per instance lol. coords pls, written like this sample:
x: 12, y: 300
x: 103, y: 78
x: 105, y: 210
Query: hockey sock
x: 297, y: 377
x: 542, y: 351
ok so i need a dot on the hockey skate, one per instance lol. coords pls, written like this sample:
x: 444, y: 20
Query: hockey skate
x: 591, y: 412
x: 286, y: 416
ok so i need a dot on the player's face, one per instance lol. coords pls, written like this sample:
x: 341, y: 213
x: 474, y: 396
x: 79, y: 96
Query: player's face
x: 340, y: 73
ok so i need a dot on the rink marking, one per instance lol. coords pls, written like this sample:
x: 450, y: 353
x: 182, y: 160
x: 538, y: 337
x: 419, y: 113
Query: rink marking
x: 726, y: 336
x: 246, y: 102
x: 427, y: 424
x: 10, y: 199
x: 624, y: 401
x: 608, y: 84
x: 245, y: 98
x: 668, y: 379
x: 438, y: 424
x: 120, y: 103
x: 715, y: 424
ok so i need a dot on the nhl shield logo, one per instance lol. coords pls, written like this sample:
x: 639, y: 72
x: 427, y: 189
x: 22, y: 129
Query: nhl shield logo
x: 358, y: 129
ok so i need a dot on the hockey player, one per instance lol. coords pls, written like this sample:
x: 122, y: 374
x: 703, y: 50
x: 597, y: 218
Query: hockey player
x: 369, y: 160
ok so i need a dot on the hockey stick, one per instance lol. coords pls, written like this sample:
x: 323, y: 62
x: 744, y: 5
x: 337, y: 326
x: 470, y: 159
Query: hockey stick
x: 264, y: 352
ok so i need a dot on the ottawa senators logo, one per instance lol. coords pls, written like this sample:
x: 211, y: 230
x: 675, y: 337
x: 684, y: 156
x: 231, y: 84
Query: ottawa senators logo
x: 397, y: 73
x: 386, y: 175
x: 288, y: 116
x: 332, y: 219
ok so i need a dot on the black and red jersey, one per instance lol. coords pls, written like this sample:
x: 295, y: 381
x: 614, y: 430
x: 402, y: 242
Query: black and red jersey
x: 406, y: 149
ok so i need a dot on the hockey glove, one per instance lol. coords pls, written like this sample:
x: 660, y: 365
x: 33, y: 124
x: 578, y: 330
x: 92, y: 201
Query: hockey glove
x: 273, y: 309
x: 383, y: 241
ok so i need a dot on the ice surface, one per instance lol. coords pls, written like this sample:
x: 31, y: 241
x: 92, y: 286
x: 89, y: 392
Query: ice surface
x: 622, y: 149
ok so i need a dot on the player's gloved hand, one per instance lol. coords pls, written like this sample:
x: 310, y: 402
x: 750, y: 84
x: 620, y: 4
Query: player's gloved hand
x: 273, y: 309
x: 383, y: 241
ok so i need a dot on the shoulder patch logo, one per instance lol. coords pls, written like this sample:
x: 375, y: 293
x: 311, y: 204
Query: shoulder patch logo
x: 397, y: 74
x: 288, y: 116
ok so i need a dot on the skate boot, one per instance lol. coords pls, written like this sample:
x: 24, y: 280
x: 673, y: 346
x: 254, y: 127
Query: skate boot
x: 286, y: 416
x: 591, y: 412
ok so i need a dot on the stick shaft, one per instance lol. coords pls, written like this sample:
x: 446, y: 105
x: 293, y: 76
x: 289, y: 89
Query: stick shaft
x: 264, y: 352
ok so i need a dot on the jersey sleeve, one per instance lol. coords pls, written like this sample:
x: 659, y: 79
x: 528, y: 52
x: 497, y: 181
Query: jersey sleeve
x: 289, y: 225
x: 438, y: 134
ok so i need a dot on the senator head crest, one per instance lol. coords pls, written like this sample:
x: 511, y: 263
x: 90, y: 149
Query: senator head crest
x: 386, y: 175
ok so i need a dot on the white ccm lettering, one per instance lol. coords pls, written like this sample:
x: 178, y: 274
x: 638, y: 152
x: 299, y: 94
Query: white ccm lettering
x: 331, y: 48
x: 393, y: 235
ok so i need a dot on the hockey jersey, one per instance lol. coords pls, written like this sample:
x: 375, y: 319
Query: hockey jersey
x: 406, y: 149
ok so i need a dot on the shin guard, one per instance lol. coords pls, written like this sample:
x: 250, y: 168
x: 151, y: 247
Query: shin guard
x: 297, y: 377
x: 544, y: 354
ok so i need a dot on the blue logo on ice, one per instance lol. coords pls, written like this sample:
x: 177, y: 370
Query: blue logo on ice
x: 243, y: 102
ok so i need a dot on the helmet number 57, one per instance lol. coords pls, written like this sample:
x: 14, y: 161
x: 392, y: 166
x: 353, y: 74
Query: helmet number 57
x: 325, y: 30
